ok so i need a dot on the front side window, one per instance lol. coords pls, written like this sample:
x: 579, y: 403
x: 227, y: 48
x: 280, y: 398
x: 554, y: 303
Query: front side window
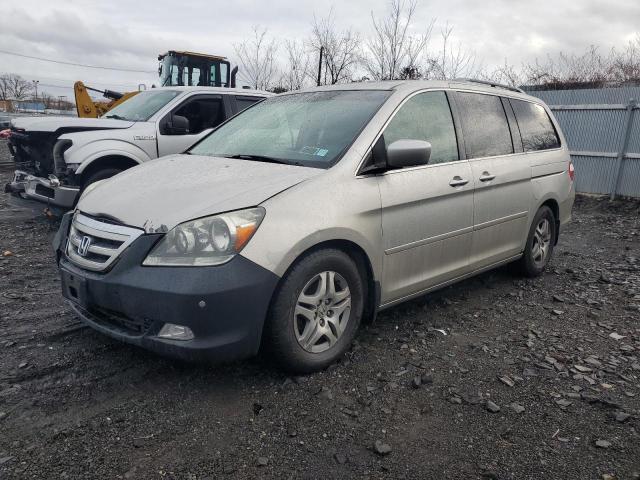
x: 310, y: 129
x: 427, y: 117
x: 536, y: 129
x: 202, y: 113
x: 142, y: 106
x: 484, y: 125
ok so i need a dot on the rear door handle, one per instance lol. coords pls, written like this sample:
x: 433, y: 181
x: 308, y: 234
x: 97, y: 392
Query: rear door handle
x: 458, y: 181
x: 486, y: 177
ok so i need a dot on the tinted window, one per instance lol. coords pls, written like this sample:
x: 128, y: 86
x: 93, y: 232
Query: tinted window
x: 426, y: 116
x: 535, y: 126
x: 484, y: 125
x: 202, y: 113
x: 245, y: 102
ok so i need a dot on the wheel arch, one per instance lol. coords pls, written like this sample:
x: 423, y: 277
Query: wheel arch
x: 553, y: 204
x: 119, y: 161
x: 359, y: 255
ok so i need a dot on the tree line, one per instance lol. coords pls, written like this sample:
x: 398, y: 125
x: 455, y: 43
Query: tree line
x: 392, y: 52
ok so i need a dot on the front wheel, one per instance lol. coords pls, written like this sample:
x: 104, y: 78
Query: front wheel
x: 540, y: 243
x: 316, y: 312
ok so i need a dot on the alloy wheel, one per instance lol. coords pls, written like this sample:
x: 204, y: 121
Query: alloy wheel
x: 322, y: 312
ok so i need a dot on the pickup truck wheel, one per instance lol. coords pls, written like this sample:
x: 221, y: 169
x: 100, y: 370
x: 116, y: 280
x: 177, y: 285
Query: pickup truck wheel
x: 316, y: 312
x: 100, y: 175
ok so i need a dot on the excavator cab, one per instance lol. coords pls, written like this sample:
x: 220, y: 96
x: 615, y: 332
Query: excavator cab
x: 195, y: 70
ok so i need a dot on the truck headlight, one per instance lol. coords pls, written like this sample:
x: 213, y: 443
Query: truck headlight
x: 206, y: 241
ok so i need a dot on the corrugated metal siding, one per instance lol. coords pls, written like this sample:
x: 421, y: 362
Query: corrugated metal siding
x: 634, y: 140
x: 590, y: 96
x: 593, y: 174
x: 595, y: 129
x: 592, y: 130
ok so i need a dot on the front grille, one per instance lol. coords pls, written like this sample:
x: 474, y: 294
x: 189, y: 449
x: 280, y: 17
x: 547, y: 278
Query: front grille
x: 95, y: 245
x: 117, y: 321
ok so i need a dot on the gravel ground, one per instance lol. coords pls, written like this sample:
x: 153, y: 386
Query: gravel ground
x: 497, y: 377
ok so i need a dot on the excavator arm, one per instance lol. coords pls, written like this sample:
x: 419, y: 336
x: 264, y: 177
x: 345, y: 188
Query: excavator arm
x: 88, y: 108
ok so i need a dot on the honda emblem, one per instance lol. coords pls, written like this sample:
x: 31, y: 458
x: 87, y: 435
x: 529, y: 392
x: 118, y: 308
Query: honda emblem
x: 83, y: 248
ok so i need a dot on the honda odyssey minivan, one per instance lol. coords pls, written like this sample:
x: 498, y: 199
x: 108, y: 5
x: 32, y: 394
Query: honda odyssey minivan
x: 308, y: 213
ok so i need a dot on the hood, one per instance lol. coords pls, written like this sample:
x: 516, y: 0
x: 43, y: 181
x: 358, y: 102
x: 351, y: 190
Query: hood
x: 163, y: 193
x: 52, y: 124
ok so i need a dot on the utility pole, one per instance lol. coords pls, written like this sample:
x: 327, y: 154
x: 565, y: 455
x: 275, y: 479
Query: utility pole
x: 35, y: 84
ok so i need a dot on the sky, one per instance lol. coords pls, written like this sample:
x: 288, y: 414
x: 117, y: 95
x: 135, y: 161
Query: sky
x: 131, y: 34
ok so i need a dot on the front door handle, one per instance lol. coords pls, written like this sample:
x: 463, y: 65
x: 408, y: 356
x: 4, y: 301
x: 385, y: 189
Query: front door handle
x: 458, y: 181
x: 486, y: 177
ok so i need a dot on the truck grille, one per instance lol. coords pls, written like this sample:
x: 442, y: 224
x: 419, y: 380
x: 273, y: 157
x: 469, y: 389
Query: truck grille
x: 95, y: 245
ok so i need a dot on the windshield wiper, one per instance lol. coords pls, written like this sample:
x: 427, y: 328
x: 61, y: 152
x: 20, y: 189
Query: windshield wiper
x: 260, y: 158
x: 115, y: 117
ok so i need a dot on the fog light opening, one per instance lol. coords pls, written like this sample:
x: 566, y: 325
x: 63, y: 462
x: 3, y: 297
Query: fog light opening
x: 175, y: 332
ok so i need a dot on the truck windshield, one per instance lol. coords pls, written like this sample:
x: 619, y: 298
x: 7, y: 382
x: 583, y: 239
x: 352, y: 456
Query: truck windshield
x: 311, y: 129
x: 142, y: 106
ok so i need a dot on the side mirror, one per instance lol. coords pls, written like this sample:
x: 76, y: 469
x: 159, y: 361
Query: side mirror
x: 408, y: 153
x: 177, y: 125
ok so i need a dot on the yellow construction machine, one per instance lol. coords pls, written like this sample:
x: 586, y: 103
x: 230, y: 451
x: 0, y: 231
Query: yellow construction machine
x: 175, y: 69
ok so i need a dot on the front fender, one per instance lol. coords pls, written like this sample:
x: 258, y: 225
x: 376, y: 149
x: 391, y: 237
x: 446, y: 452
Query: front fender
x: 85, y: 154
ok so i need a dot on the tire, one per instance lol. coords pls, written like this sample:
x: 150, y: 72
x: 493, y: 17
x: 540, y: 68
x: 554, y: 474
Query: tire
x: 535, y: 259
x: 100, y: 175
x: 304, y: 336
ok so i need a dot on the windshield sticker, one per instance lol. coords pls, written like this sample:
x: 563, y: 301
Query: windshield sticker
x: 319, y: 152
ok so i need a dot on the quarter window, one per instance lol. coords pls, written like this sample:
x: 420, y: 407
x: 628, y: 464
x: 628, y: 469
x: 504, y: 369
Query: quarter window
x: 536, y: 129
x: 427, y: 117
x: 484, y: 125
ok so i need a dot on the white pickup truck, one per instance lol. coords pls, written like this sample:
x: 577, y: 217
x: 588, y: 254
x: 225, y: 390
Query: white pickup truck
x: 57, y: 157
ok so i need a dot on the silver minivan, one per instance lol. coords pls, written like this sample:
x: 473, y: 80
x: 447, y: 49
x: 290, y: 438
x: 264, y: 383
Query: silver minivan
x: 310, y: 212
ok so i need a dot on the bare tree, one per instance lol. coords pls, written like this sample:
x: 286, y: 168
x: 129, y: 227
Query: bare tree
x: 4, y: 87
x: 452, y: 60
x: 391, y: 52
x: 625, y: 66
x: 257, y: 57
x: 14, y: 87
x: 341, y: 49
x: 298, y: 68
x: 505, y: 74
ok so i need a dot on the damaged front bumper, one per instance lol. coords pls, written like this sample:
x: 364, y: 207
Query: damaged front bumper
x: 44, y: 190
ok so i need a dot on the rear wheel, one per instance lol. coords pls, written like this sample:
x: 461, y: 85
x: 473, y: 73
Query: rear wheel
x: 316, y: 312
x: 540, y: 243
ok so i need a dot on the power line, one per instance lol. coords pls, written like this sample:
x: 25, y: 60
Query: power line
x: 75, y: 64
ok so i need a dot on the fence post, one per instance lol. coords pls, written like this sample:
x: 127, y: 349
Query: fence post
x: 622, y: 151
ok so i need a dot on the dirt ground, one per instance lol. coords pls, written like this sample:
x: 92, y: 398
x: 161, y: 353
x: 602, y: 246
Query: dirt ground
x: 498, y: 377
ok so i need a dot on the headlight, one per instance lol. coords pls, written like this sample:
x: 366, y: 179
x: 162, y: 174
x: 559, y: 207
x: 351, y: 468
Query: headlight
x: 206, y: 241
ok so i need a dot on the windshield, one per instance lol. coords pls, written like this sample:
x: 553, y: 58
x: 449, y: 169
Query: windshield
x: 142, y: 106
x: 310, y: 129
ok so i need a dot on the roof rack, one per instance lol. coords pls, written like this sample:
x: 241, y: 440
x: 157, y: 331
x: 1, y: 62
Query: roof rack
x: 490, y: 84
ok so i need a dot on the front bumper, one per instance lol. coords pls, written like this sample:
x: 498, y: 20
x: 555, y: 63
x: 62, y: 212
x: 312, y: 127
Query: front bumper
x: 44, y: 190
x: 225, y: 306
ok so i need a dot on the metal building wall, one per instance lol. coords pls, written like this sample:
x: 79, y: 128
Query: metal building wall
x: 602, y: 128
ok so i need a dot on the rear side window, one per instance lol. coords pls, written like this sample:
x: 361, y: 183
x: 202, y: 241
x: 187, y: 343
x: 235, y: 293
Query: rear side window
x: 536, y: 129
x: 484, y: 125
x: 426, y: 116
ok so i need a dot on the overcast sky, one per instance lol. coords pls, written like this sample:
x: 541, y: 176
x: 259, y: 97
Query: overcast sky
x: 131, y: 34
